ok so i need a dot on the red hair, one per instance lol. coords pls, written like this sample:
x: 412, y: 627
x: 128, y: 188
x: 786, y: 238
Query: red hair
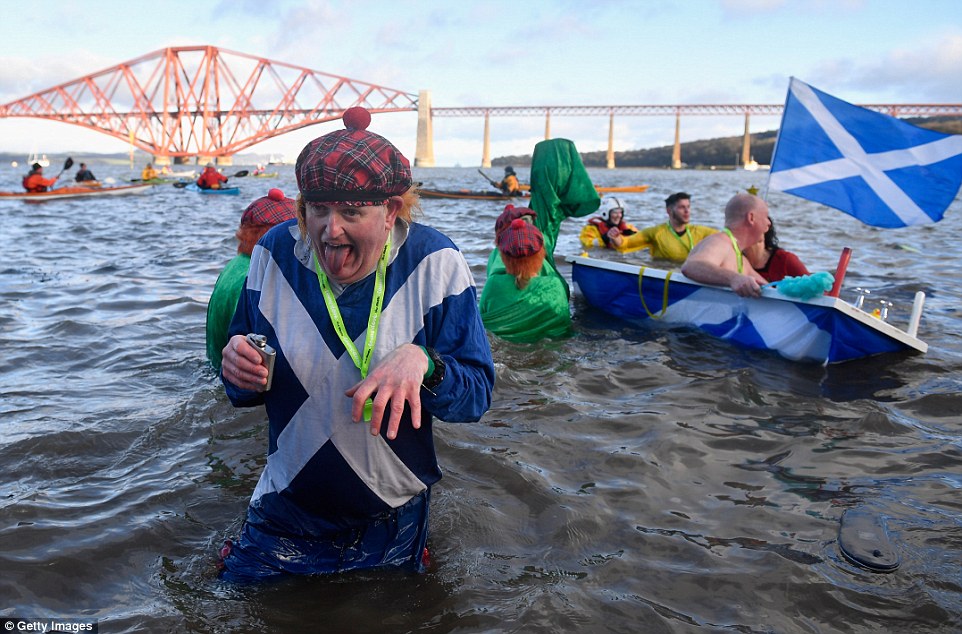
x: 525, y: 268
x: 248, y: 235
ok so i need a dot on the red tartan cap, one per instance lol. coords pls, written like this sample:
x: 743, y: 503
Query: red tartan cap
x: 352, y: 166
x: 509, y: 214
x: 520, y: 239
x: 269, y: 210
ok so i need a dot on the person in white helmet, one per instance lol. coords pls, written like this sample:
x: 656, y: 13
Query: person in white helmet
x: 595, y: 233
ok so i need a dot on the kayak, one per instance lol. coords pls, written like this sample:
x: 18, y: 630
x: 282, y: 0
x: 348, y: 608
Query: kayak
x: 265, y: 175
x: 74, y: 192
x: 467, y: 194
x: 224, y: 191
x: 160, y: 180
x: 627, y: 189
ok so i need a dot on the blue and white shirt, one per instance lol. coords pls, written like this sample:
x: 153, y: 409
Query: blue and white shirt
x: 319, y: 460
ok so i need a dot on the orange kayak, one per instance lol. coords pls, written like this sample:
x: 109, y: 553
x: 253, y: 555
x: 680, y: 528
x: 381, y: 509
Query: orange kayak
x: 74, y: 192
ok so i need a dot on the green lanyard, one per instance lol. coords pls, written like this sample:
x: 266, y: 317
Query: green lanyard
x: 377, y: 302
x: 738, y: 253
x: 691, y: 244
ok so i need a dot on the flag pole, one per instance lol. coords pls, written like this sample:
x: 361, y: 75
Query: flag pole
x: 777, y: 137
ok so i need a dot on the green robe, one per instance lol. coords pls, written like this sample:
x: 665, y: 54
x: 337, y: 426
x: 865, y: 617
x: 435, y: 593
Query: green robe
x: 540, y: 310
x: 560, y: 188
x: 223, y: 303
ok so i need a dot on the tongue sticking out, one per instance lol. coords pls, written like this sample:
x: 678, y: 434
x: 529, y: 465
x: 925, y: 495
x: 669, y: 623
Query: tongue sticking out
x: 335, y: 257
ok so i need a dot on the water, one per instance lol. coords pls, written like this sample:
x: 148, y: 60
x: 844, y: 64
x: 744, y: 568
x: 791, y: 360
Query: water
x: 629, y: 479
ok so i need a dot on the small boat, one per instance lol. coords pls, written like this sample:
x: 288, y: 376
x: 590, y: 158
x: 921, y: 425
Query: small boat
x: 467, y: 194
x: 223, y: 191
x: 627, y: 189
x: 182, y: 174
x: 74, y: 192
x: 265, y: 175
x: 160, y: 180
x: 40, y: 160
x: 823, y: 330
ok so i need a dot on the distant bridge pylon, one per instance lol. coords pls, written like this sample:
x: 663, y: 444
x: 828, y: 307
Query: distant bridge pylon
x: 204, y: 102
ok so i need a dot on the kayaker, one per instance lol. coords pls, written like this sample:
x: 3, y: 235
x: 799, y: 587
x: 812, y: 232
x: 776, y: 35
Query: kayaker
x: 509, y: 184
x: 35, y: 182
x: 149, y: 173
x: 262, y: 214
x: 718, y: 258
x: 210, y: 178
x: 84, y: 174
x: 672, y: 240
x: 375, y: 326
x: 598, y: 227
x: 771, y: 261
x: 258, y: 170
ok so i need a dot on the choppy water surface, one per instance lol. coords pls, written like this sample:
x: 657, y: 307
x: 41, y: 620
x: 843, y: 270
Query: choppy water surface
x: 628, y: 479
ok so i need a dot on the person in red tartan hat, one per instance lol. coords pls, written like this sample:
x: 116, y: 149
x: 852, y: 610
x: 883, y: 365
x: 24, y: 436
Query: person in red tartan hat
x: 522, y: 251
x: 375, y: 326
x: 257, y: 219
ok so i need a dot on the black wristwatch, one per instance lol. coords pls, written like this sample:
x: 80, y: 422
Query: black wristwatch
x: 434, y: 380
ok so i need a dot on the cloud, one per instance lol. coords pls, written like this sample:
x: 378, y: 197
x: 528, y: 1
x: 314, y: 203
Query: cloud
x: 739, y: 9
x: 928, y: 73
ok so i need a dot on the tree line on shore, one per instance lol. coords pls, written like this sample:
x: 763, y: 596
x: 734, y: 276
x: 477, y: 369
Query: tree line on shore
x: 723, y: 152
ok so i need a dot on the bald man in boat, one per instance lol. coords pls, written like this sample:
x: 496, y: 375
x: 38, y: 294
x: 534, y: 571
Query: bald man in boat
x: 718, y: 258
x: 672, y: 240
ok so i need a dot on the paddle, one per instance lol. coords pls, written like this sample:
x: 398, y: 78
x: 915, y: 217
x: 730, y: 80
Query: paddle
x: 181, y: 184
x: 66, y: 165
x: 487, y: 178
x: 241, y: 174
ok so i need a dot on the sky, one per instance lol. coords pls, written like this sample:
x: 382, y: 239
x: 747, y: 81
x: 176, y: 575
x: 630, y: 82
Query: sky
x: 508, y: 53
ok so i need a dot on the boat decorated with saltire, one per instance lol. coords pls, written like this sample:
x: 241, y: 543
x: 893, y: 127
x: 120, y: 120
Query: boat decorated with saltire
x: 824, y: 329
x: 75, y: 191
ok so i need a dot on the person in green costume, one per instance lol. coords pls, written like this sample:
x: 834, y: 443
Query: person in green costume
x: 560, y: 189
x: 257, y: 219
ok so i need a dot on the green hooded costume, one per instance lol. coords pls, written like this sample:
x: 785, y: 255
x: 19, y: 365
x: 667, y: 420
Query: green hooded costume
x: 560, y: 188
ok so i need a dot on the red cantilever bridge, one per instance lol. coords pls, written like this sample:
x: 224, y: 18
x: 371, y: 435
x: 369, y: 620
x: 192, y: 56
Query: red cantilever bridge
x: 204, y: 101
x: 210, y: 103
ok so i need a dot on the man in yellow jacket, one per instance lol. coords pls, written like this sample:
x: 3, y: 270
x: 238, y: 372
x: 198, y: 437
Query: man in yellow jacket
x: 672, y: 240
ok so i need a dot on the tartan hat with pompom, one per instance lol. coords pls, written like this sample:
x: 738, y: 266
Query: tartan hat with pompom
x: 509, y: 214
x: 352, y: 166
x: 268, y: 210
x: 520, y: 239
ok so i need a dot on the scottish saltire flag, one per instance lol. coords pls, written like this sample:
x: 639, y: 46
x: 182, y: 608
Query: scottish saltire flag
x: 883, y: 171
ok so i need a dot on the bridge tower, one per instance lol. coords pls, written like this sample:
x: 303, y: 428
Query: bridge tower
x: 424, y: 146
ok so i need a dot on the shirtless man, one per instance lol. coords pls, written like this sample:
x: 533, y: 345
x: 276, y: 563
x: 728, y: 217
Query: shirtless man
x: 718, y: 258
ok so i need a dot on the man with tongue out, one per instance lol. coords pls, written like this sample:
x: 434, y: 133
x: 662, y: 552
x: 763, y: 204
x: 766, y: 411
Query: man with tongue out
x: 375, y: 326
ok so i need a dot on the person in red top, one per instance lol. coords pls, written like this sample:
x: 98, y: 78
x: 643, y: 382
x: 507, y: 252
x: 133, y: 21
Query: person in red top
x: 771, y: 261
x: 596, y: 231
x: 210, y: 178
x: 35, y: 182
